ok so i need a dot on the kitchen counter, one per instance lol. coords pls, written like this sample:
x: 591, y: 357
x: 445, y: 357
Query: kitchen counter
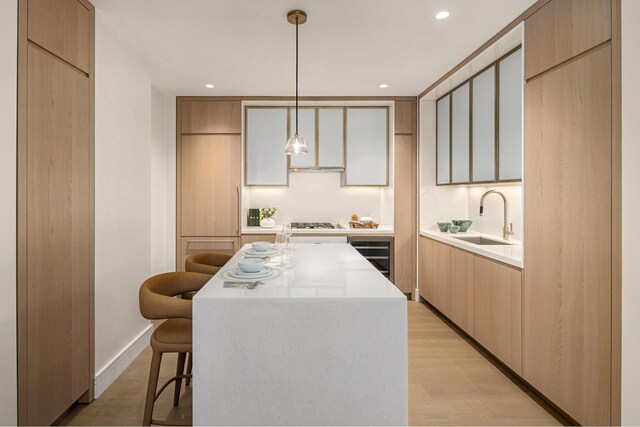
x: 510, y: 253
x: 381, y: 230
x: 323, y: 344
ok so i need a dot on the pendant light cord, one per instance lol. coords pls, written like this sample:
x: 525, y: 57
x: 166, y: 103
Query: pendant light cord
x: 297, y: 74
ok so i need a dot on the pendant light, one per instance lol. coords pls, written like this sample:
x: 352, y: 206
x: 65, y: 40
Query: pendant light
x: 296, y: 144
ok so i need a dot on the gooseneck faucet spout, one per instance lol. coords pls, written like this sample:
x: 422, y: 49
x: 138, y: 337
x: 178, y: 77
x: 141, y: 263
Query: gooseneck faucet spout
x: 506, y: 231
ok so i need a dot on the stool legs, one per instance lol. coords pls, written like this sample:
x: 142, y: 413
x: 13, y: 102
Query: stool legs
x: 189, y: 368
x: 179, y: 371
x: 154, y: 372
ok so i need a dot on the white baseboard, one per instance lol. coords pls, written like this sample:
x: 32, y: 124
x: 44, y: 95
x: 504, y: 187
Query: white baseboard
x: 118, y: 364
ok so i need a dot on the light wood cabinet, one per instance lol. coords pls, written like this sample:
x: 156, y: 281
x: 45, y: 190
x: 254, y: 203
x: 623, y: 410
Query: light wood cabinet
x: 563, y: 29
x: 404, y: 117
x: 200, y: 116
x: 195, y: 245
x: 63, y: 27
x: 567, y: 296
x: 497, y: 310
x: 210, y: 185
x: 435, y: 274
x: 462, y: 284
x: 55, y: 217
x: 404, y: 216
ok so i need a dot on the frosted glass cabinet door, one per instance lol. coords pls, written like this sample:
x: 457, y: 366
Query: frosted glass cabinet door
x: 483, y: 127
x: 265, y: 139
x: 460, y: 135
x: 330, y: 137
x: 510, y: 133
x: 443, y: 140
x: 307, y: 129
x: 367, y: 144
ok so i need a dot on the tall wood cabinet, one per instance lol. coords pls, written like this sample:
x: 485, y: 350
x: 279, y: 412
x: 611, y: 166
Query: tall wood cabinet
x: 209, y: 162
x: 568, y: 210
x: 55, y: 208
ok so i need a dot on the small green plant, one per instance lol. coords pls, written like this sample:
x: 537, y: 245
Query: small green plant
x: 268, y: 212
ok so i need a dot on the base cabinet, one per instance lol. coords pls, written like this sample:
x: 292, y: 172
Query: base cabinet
x: 481, y: 296
x: 498, y: 310
x: 435, y: 274
x: 462, y: 295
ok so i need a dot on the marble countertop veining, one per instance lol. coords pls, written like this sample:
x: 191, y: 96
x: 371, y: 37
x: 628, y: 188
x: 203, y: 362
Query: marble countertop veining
x: 511, y: 253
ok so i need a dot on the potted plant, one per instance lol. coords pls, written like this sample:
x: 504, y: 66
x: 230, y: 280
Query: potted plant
x: 266, y: 217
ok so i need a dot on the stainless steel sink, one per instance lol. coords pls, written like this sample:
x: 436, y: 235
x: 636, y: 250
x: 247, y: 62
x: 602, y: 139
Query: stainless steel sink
x: 482, y: 241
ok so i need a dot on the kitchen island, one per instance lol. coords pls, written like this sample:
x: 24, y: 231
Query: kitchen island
x: 323, y: 344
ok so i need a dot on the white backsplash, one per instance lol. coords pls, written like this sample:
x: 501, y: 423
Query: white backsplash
x: 320, y: 197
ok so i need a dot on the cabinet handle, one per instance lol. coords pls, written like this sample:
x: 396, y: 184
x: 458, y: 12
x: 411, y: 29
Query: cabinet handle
x: 237, y: 210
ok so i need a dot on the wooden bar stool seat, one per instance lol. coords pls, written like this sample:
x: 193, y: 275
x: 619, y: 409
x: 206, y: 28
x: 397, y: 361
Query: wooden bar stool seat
x: 173, y: 335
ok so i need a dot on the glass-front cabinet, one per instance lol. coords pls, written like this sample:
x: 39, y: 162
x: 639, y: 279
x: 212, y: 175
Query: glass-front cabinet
x: 479, y: 126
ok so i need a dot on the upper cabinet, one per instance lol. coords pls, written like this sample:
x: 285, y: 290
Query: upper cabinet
x: 331, y: 137
x: 367, y: 146
x: 443, y: 145
x: 460, y: 134
x: 510, y: 114
x: 563, y: 29
x: 265, y: 138
x: 483, y: 148
x: 211, y: 117
x: 306, y: 128
x: 479, y: 126
x: 351, y: 140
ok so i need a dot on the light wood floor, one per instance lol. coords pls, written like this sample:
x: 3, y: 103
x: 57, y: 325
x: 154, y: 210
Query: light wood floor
x: 450, y: 383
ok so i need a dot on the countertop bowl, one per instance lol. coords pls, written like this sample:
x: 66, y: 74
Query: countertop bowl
x: 261, y: 246
x: 251, y: 265
x: 464, y: 224
x: 444, y: 226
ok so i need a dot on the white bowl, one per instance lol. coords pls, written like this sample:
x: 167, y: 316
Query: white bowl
x: 366, y: 219
x: 261, y: 246
x: 251, y: 265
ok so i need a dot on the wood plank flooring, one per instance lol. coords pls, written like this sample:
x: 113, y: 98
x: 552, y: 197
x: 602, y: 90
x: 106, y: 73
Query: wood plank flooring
x: 450, y: 383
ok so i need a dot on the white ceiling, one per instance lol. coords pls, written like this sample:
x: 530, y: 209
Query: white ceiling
x: 347, y: 47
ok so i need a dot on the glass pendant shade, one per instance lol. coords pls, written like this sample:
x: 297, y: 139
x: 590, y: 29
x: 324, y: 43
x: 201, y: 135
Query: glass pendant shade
x: 296, y: 145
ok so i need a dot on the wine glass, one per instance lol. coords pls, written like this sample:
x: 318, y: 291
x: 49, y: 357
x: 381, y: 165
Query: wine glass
x: 288, y: 232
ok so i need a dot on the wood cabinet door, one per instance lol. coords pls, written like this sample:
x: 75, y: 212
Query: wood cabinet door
x: 435, y: 267
x: 462, y: 289
x: 210, y: 185
x: 563, y: 29
x: 200, y: 116
x: 404, y: 218
x: 498, y: 310
x: 58, y: 239
x: 567, y: 296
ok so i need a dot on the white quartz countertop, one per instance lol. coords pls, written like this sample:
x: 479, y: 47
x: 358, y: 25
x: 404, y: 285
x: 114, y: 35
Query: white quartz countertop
x: 509, y: 253
x: 345, y: 230
x: 327, y: 270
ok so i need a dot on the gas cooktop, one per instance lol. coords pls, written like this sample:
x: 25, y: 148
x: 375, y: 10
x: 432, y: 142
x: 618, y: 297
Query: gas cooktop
x: 314, y: 225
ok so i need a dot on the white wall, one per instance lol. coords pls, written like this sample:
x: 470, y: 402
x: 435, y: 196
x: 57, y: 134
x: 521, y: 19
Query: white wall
x: 134, y: 135
x: 317, y: 197
x: 630, y: 209
x: 163, y: 179
x: 8, y: 89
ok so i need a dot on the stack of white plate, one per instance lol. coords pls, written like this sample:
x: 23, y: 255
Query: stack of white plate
x: 235, y: 274
x: 253, y: 253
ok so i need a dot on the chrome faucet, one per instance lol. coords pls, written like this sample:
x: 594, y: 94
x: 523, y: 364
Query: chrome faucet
x: 506, y: 231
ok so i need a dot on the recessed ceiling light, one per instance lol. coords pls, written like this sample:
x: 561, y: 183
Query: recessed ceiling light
x: 210, y: 86
x: 442, y: 15
x: 384, y: 85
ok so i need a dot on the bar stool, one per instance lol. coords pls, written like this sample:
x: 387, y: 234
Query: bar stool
x: 206, y: 263
x: 157, y: 302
